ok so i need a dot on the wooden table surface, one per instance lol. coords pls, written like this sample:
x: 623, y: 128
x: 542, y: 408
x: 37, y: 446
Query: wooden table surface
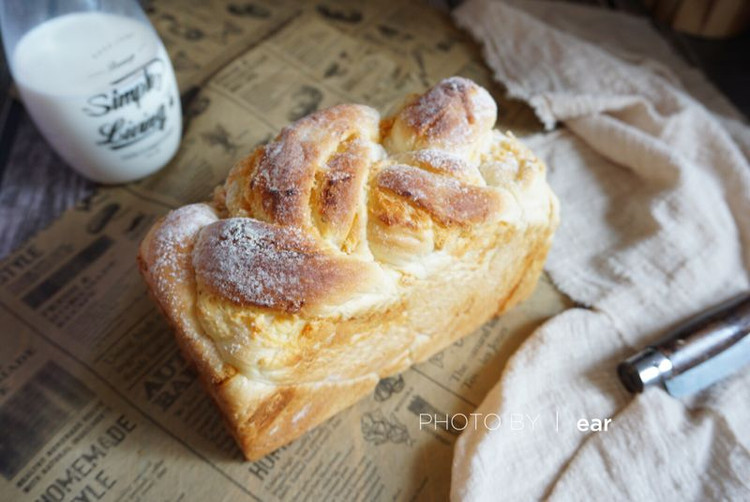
x: 36, y: 186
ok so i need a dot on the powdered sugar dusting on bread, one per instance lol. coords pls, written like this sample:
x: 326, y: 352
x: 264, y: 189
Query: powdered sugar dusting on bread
x: 447, y: 199
x: 445, y: 162
x: 283, y: 179
x: 172, y: 243
x: 243, y: 259
x: 280, y: 182
x: 249, y: 262
x: 181, y: 224
x: 440, y: 160
x: 454, y: 112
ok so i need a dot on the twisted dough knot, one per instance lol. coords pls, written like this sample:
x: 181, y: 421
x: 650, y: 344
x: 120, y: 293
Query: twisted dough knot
x: 340, y: 198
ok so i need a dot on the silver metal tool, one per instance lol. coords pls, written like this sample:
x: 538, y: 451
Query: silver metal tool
x: 698, y: 353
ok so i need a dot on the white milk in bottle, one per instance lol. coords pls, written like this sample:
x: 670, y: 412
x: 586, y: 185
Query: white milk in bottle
x: 102, y: 90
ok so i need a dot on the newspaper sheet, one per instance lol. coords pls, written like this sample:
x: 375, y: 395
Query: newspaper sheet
x: 96, y: 402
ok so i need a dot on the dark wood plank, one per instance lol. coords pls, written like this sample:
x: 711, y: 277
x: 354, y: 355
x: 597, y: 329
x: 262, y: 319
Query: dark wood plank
x: 36, y: 187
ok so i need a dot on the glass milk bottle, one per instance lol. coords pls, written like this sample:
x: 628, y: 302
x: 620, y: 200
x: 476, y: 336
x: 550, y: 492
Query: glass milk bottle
x: 96, y: 80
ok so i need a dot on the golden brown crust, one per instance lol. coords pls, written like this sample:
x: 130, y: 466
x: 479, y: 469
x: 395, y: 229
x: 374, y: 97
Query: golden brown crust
x: 249, y: 262
x: 345, y: 250
x: 275, y: 184
x: 448, y: 201
x: 339, y: 185
x: 453, y: 115
x: 442, y: 162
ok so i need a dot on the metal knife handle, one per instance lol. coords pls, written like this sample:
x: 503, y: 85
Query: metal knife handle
x: 690, y: 346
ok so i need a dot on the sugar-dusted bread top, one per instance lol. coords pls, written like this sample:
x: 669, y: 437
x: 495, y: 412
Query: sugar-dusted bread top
x: 336, y: 219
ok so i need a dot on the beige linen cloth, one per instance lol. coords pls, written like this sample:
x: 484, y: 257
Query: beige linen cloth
x: 651, y: 168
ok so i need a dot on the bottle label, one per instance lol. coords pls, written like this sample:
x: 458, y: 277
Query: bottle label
x: 132, y: 93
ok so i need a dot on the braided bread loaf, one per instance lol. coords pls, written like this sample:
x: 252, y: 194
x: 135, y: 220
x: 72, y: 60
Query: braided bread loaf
x: 345, y: 250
